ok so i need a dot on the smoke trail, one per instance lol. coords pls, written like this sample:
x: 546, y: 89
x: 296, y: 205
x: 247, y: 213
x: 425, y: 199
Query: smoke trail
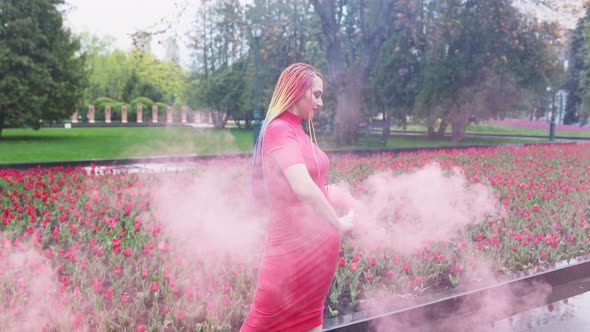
x: 476, y: 312
x: 209, y: 213
x: 32, y: 299
x: 404, y: 212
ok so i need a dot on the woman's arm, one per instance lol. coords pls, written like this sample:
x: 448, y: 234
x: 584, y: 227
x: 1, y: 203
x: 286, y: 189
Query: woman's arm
x: 312, y: 197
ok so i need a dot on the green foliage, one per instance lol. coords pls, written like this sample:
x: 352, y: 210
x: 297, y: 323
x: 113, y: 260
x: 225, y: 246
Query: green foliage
x: 126, y: 76
x: 135, y: 87
x: 223, y: 91
x: 146, y: 105
x: 576, y: 67
x: 354, y: 32
x: 395, y: 80
x: 225, y: 51
x: 42, y: 74
x: 109, y: 72
x: 150, y: 90
x: 193, y: 95
x: 177, y: 106
x: 429, y: 59
x: 578, y: 106
x: 161, y: 106
x: 161, y: 111
x: 157, y: 79
x: 221, y: 30
x: 101, y: 102
x: 99, y: 107
x: 475, y: 54
x: 144, y: 102
x: 116, y: 110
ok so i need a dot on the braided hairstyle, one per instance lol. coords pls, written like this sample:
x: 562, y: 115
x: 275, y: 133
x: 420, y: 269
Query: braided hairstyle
x: 291, y: 86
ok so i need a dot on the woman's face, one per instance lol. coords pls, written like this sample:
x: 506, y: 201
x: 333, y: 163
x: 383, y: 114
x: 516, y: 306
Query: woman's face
x: 311, y: 101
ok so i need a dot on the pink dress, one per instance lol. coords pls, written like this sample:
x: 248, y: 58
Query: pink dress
x: 301, y: 251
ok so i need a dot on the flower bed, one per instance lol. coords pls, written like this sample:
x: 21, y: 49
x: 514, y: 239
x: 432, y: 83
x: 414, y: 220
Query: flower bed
x: 88, y: 251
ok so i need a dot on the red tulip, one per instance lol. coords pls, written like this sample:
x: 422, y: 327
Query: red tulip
x: 342, y: 262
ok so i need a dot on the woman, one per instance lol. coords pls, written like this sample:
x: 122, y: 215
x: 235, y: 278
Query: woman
x: 303, y: 232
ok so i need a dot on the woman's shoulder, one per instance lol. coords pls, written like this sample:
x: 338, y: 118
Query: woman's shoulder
x: 279, y: 131
x: 280, y: 124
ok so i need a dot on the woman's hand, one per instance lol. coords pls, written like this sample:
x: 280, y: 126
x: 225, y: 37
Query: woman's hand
x: 346, y: 224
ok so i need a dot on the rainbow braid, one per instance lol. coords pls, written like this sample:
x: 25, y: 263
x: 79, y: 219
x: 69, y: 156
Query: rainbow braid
x: 292, y: 84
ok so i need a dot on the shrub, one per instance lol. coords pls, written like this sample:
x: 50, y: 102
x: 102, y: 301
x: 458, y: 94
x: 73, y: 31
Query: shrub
x: 146, y: 105
x: 161, y: 111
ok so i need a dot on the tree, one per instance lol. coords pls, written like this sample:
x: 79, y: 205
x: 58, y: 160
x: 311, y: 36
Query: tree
x: 124, y: 76
x: 395, y: 80
x: 290, y: 33
x: 109, y: 72
x: 477, y: 52
x: 224, y: 49
x: 42, y: 74
x: 220, y: 35
x: 577, y: 106
x: 223, y: 91
x: 157, y: 76
x: 353, y: 31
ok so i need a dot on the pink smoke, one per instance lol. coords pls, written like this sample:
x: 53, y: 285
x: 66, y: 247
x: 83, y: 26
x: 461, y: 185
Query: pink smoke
x: 406, y: 211
x: 494, y: 301
x: 209, y: 214
x: 31, y: 292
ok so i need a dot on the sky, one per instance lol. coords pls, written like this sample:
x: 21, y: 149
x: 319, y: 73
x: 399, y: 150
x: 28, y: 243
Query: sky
x: 565, y: 12
x: 121, y: 18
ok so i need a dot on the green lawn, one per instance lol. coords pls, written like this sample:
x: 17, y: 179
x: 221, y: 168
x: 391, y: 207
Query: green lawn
x: 55, y: 144
x: 484, y: 128
x: 24, y: 145
x: 409, y: 141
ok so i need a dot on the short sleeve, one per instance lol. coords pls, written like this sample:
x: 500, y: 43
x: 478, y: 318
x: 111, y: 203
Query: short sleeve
x: 280, y: 145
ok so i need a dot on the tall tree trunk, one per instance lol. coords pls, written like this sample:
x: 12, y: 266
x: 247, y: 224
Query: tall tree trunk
x: 442, y: 129
x: 458, y: 130
x: 348, y: 105
x: 219, y: 119
x: 2, y: 117
x: 431, y: 131
x: 349, y: 74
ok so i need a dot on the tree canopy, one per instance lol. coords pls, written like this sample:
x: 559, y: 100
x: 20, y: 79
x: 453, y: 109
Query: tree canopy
x: 441, y: 62
x: 124, y: 76
x: 42, y: 73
